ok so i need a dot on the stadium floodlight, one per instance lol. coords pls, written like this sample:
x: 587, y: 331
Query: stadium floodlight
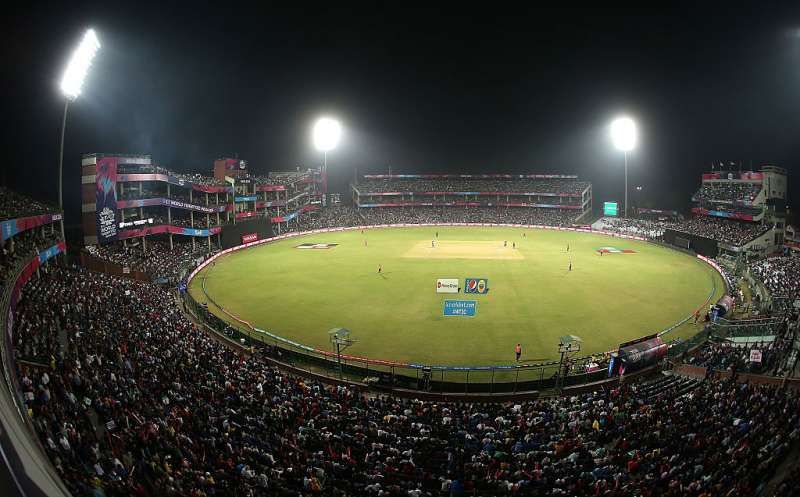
x: 71, y: 84
x: 79, y: 64
x: 326, y: 135
x: 623, y: 133
x: 624, y: 136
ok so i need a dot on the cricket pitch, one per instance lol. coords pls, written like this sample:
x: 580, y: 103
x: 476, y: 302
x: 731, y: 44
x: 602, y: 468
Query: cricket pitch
x: 457, y: 249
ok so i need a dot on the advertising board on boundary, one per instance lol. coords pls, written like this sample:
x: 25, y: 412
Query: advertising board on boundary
x: 476, y: 285
x: 447, y: 285
x: 460, y: 307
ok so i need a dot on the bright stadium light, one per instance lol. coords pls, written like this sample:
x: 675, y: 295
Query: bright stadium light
x: 79, y: 64
x: 624, y: 135
x: 71, y: 84
x: 326, y: 134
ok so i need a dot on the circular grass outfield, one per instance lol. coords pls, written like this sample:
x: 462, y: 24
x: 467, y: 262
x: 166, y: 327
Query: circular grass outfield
x: 533, y: 297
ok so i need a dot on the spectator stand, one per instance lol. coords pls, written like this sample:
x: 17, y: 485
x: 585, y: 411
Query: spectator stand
x: 194, y: 418
x: 22, y: 452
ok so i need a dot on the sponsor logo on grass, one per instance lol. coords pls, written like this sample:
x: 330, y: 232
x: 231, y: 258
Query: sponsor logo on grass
x: 460, y: 307
x: 476, y: 285
x: 316, y: 245
x: 447, y: 285
x: 614, y: 250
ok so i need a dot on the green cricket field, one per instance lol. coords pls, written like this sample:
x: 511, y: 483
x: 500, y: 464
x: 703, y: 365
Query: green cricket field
x: 542, y: 284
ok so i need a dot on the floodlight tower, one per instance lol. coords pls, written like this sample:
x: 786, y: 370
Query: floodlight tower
x: 326, y: 134
x: 624, y: 135
x: 71, y: 83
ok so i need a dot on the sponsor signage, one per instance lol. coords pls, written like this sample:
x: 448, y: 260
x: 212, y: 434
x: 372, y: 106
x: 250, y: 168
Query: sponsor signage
x: 460, y: 307
x: 106, y: 199
x: 755, y: 355
x: 447, y: 285
x: 614, y: 250
x: 13, y: 227
x: 476, y: 285
x: 249, y: 237
x: 313, y: 246
x: 185, y: 205
x: 138, y: 222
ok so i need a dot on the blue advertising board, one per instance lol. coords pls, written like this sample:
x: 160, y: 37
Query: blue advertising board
x: 460, y: 307
x: 476, y: 285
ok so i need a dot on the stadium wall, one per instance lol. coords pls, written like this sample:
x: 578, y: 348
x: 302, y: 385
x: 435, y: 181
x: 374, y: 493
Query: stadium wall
x: 232, y: 234
x: 699, y: 244
x: 103, y: 266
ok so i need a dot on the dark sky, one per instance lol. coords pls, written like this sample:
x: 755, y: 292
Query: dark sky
x: 445, y: 89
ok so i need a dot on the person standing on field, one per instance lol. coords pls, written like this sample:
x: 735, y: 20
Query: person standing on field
x: 518, y: 351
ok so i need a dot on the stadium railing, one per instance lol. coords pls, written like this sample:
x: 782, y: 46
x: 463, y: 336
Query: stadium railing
x: 466, y: 379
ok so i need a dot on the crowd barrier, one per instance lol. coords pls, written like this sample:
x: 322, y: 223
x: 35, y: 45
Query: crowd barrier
x: 13, y: 227
x: 466, y: 378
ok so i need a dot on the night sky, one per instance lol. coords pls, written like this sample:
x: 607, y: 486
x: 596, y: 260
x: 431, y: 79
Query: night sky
x: 419, y: 90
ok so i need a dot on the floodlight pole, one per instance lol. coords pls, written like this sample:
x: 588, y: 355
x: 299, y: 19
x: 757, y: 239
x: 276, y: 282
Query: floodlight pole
x: 61, y: 167
x: 625, y: 152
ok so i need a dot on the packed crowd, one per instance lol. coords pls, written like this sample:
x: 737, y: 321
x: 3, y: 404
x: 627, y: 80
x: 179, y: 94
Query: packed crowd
x: 723, y: 230
x: 726, y: 356
x: 137, y: 401
x: 781, y: 275
x: 13, y: 205
x: 275, y: 178
x: 198, y: 198
x: 157, y: 259
x: 155, y: 169
x: 519, y: 185
x: 727, y: 192
x: 283, y: 177
x: 647, y: 228
x: 788, y: 486
x: 392, y: 215
x: 341, y: 216
x: 25, y: 246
